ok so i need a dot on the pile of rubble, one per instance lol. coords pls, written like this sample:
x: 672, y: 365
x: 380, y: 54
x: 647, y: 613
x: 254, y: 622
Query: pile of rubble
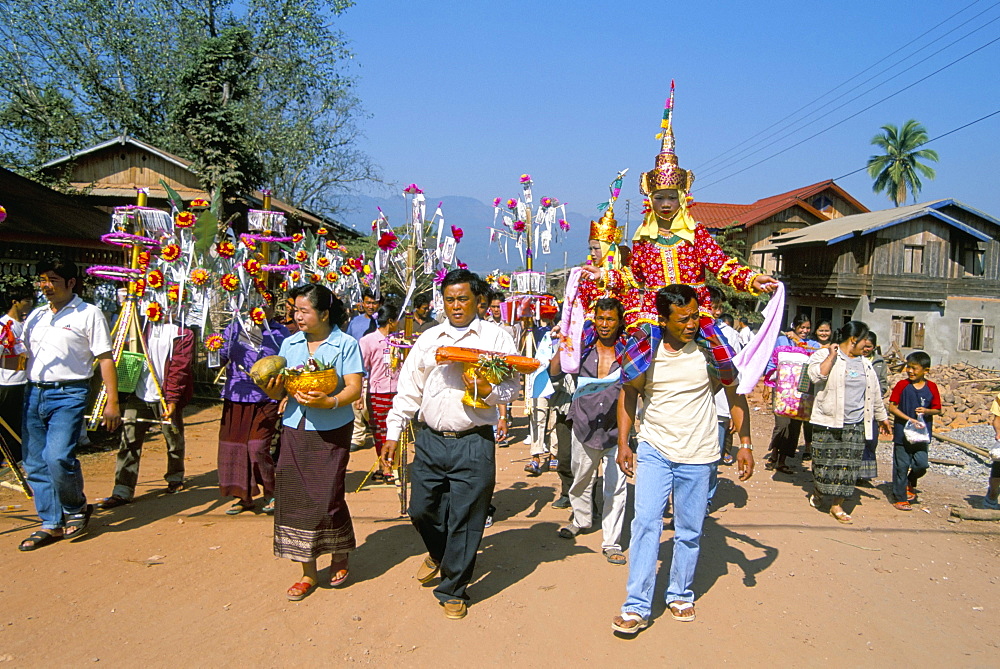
x: 966, y: 393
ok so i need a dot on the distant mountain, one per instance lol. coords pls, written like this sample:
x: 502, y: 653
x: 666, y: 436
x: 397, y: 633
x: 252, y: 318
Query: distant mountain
x: 475, y: 218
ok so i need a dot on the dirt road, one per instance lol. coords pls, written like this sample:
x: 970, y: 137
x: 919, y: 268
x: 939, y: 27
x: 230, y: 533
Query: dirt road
x: 172, y: 581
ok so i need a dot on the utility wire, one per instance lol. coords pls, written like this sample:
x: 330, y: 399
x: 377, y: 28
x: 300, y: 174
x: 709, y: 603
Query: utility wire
x: 849, y: 80
x: 933, y: 139
x: 856, y: 97
x: 857, y: 113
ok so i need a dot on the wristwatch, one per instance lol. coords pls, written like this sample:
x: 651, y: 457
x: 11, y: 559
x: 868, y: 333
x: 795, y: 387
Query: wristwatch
x: 747, y: 446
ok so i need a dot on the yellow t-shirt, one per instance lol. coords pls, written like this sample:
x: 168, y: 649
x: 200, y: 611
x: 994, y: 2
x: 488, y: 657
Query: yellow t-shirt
x: 679, y: 418
x: 995, y: 408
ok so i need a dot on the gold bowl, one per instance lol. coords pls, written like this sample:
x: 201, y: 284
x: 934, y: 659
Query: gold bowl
x: 325, y: 382
x: 469, y: 399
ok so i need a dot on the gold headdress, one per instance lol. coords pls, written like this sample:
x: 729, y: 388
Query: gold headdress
x: 668, y: 175
x: 606, y: 228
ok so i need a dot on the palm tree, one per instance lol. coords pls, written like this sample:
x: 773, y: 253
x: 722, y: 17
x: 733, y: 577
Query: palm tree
x: 897, y: 170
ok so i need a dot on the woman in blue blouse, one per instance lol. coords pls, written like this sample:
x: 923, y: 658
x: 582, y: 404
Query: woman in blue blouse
x: 311, y: 515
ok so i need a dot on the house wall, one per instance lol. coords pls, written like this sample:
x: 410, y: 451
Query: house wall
x: 129, y: 167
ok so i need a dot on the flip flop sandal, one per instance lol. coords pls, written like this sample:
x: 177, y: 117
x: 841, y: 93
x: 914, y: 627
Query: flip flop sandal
x: 76, y: 523
x: 238, y: 508
x: 784, y: 469
x: 340, y: 576
x: 300, y: 591
x: 814, y: 501
x: 903, y: 506
x: 682, y: 611
x: 615, y: 556
x: 841, y: 517
x: 628, y: 616
x: 269, y: 507
x: 37, y: 540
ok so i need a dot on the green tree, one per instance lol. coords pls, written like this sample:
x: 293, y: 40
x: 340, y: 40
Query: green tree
x: 78, y: 72
x: 898, y: 170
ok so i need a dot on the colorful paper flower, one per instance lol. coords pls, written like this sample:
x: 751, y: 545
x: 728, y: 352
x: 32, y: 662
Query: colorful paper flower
x: 257, y: 315
x: 512, y: 204
x: 214, y: 342
x: 155, y: 279
x: 332, y: 277
x: 229, y: 282
x: 496, y: 202
x: 170, y: 252
x: 140, y: 287
x: 225, y: 249
x: 518, y: 226
x: 297, y: 237
x: 252, y: 266
x: 283, y: 285
x: 564, y: 224
x: 199, y: 204
x: 526, y: 178
x: 283, y: 261
x: 295, y: 276
x: 154, y: 312
x: 345, y: 269
x: 174, y: 291
x: 388, y: 241
x: 332, y: 244
x: 503, y: 281
x: 185, y: 219
x: 412, y: 189
x: 315, y: 277
x: 322, y: 231
x: 367, y: 269
x: 301, y: 255
x: 356, y: 263
x: 646, y: 208
x: 440, y: 275
x: 323, y: 261
x: 144, y: 259
x: 248, y: 242
x: 457, y: 233
x: 200, y: 276
x: 462, y: 265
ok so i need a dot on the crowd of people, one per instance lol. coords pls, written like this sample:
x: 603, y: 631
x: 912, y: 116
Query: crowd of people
x: 643, y: 377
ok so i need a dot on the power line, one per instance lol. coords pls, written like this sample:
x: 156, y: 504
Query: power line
x: 933, y: 139
x: 849, y: 80
x: 858, y: 96
x: 858, y: 113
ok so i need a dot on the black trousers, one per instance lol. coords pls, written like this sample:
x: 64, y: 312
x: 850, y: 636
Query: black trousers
x: 452, y: 482
x: 785, y: 437
x: 564, y: 453
x: 12, y: 410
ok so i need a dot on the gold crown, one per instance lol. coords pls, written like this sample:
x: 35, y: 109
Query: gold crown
x: 606, y: 229
x: 667, y: 173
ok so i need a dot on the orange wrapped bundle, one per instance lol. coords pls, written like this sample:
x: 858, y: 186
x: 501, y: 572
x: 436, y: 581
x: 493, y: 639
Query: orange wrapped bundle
x: 489, y: 365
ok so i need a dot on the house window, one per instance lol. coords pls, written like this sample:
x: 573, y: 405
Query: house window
x: 822, y: 203
x: 975, y: 335
x: 972, y: 259
x: 846, y: 315
x: 913, y: 259
x: 823, y: 314
x: 907, y: 333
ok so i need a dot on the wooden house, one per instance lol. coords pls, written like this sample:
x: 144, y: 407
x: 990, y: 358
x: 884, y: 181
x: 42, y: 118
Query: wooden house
x: 755, y: 224
x: 108, y: 175
x: 923, y: 277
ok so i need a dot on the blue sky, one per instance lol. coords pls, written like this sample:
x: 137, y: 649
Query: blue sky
x: 465, y: 96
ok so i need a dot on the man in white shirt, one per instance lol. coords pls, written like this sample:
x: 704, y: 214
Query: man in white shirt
x: 454, y: 464
x: 678, y: 449
x: 13, y: 375
x: 64, y: 338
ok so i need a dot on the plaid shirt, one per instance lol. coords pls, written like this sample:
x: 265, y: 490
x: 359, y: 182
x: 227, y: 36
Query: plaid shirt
x: 637, y: 353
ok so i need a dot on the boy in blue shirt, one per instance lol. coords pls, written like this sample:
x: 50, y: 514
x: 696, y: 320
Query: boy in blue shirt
x: 913, y: 400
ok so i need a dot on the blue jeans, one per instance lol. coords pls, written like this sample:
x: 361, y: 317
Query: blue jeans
x: 53, y: 418
x: 655, y: 477
x: 713, y: 482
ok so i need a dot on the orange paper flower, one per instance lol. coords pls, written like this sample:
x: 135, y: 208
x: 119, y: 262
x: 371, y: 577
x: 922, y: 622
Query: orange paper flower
x: 257, y: 315
x: 332, y: 244
x: 315, y: 277
x: 323, y: 261
x: 199, y: 204
x: 297, y: 237
x: 170, y: 252
x: 322, y: 231
x: 154, y: 311
x: 225, y: 249
x: 155, y: 279
x: 301, y: 255
x: 252, y: 266
x: 185, y: 219
x: 214, y: 342
x: 296, y: 275
x: 200, y: 276
x: 283, y: 285
x: 332, y: 277
x: 229, y: 282
x: 345, y: 269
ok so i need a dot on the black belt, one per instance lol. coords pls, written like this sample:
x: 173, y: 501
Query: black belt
x: 58, y: 384
x: 485, y: 431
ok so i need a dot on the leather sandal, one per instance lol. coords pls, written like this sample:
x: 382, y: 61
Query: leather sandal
x: 37, y: 540
x: 300, y: 591
x: 76, y: 523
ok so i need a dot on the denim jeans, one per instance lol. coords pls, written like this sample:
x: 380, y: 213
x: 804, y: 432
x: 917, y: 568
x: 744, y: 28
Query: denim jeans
x: 655, y: 477
x: 725, y: 441
x: 53, y: 418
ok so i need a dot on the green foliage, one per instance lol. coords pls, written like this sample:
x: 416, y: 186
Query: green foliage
x: 898, y: 170
x: 205, y: 230
x: 739, y: 304
x: 252, y: 91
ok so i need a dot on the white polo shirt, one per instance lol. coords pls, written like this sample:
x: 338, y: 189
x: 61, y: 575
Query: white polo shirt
x: 62, y: 346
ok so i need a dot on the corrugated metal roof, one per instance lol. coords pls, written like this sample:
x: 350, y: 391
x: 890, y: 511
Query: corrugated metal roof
x: 717, y: 216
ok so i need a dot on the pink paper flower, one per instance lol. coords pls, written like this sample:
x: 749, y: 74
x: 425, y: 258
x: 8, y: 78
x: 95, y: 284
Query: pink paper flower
x: 440, y: 275
x: 496, y: 202
x: 412, y: 189
x: 462, y: 265
x: 388, y: 241
x: 518, y: 226
x: 526, y: 178
x: 457, y: 234
x: 512, y: 204
x: 564, y: 224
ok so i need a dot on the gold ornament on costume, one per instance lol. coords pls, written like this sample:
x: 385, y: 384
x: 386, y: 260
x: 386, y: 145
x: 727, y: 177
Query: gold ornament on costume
x: 667, y: 173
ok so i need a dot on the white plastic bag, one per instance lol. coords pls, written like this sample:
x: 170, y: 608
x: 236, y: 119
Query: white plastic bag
x: 917, y: 433
x: 995, y: 451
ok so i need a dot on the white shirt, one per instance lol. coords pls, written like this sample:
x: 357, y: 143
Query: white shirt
x: 733, y: 339
x: 679, y: 419
x: 436, y: 390
x: 13, y: 377
x: 63, y: 346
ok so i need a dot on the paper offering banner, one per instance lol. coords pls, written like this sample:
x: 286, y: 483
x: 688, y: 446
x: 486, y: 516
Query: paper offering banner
x: 546, y: 240
x: 448, y: 250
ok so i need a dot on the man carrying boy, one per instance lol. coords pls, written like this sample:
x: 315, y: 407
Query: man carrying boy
x: 914, y: 400
x: 991, y: 500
